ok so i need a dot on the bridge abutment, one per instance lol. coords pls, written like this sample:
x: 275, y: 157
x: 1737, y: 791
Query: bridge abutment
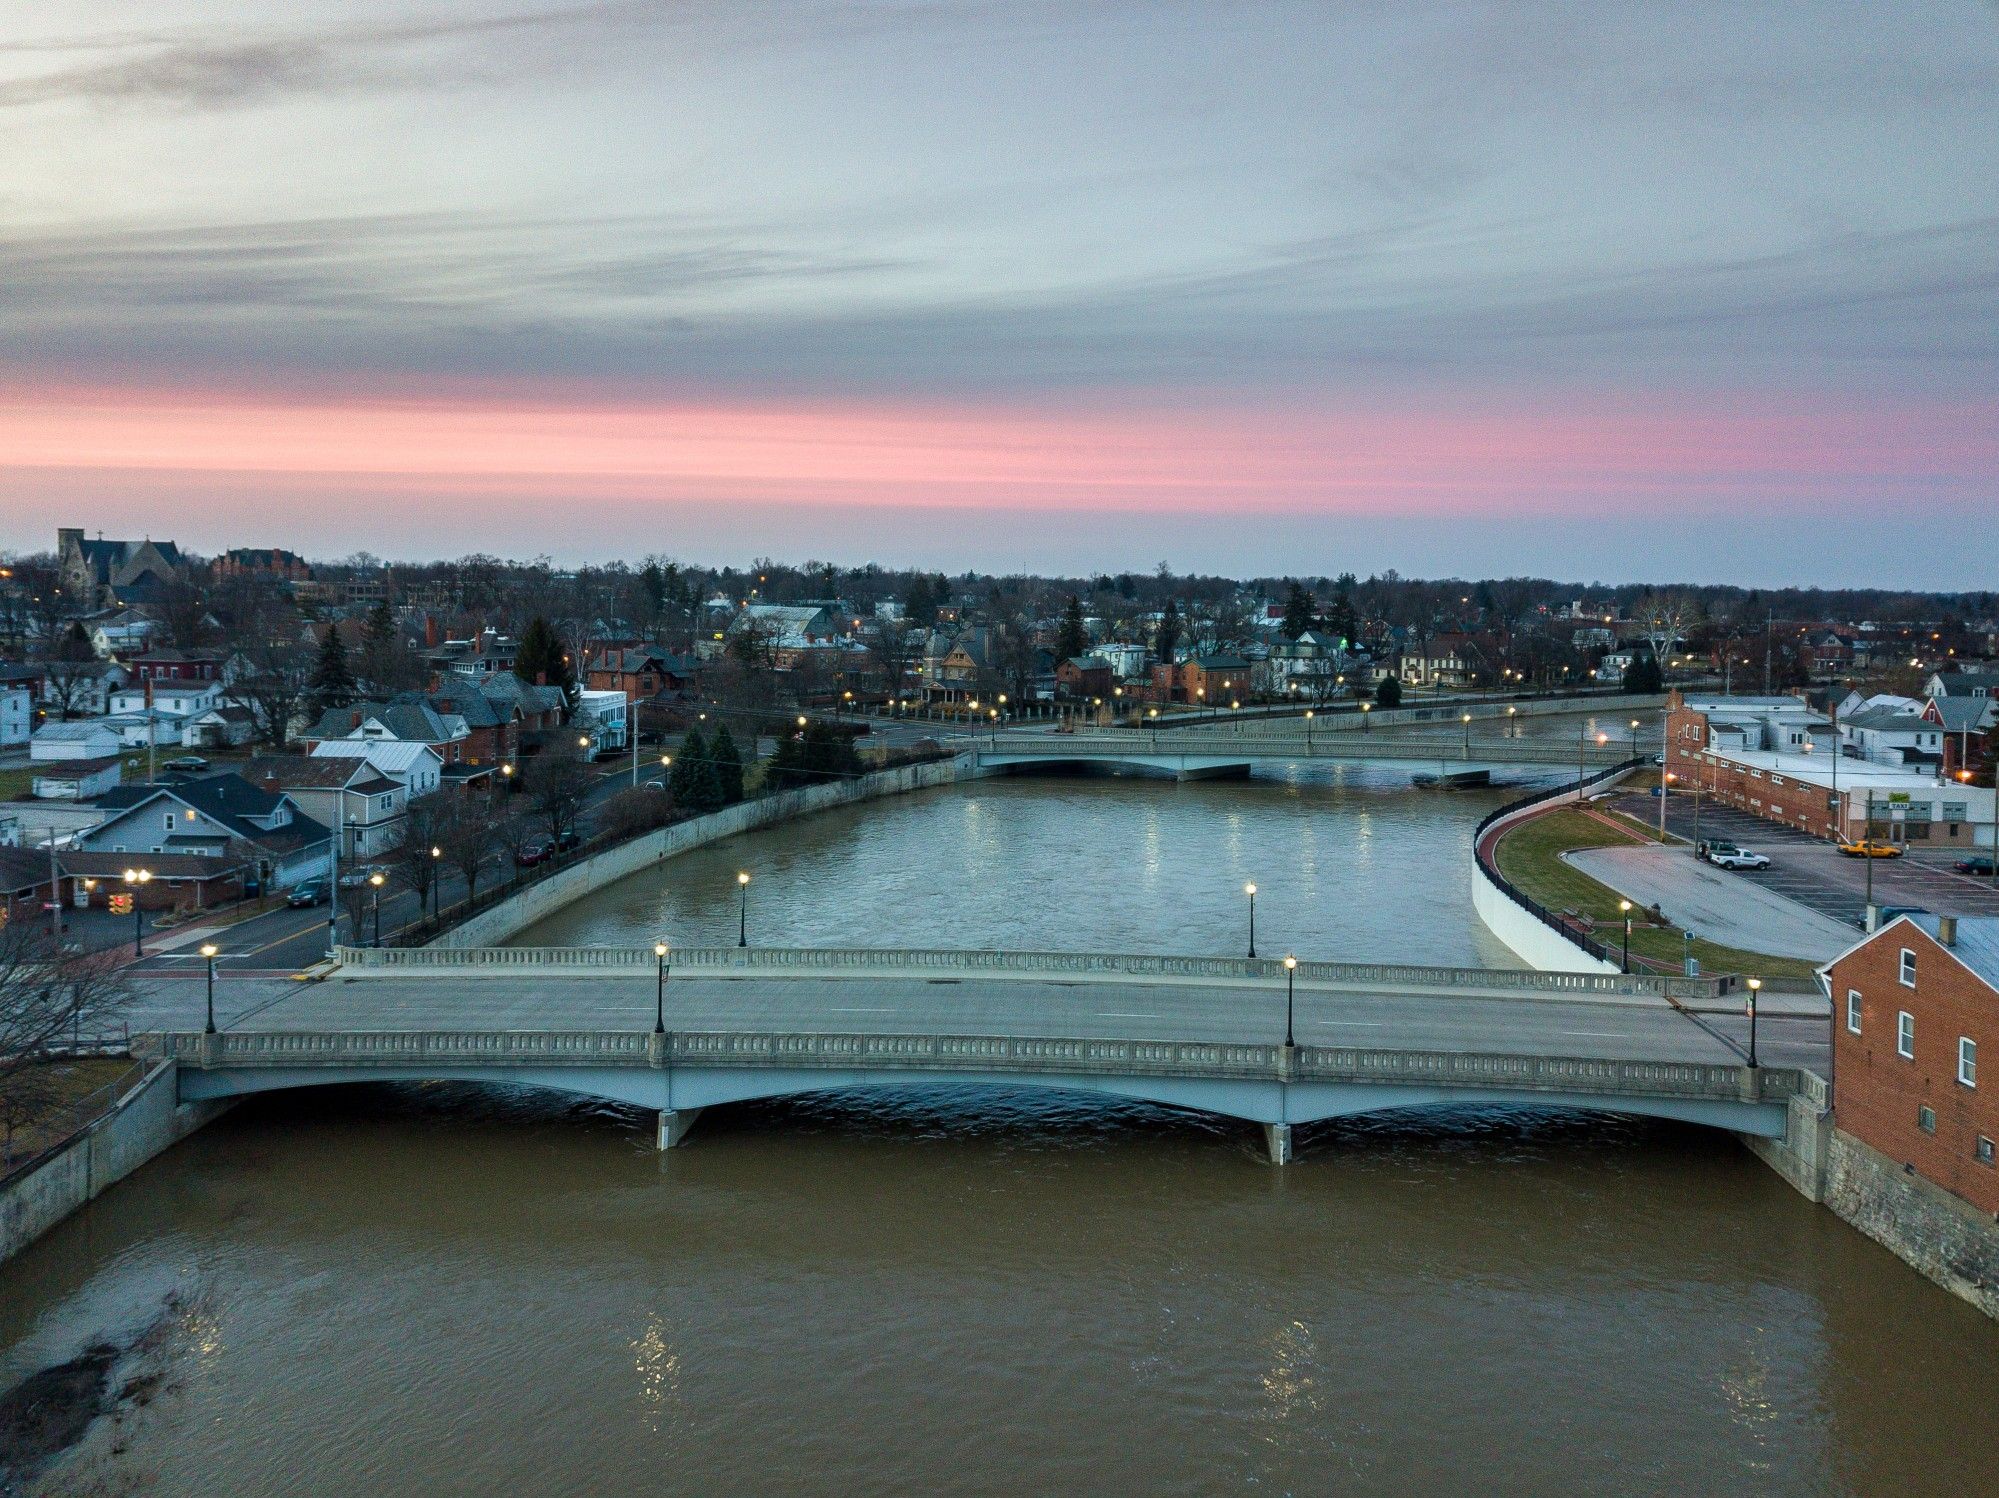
x: 674, y: 1124
x: 1277, y: 1140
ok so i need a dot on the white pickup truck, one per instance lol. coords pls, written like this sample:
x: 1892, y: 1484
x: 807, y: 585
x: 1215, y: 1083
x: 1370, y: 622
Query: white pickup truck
x: 1729, y: 856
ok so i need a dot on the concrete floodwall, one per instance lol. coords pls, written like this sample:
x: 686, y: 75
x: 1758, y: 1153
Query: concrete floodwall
x: 1526, y: 934
x: 517, y: 912
x: 145, y: 1121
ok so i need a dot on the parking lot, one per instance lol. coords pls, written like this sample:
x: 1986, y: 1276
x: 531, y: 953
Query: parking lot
x: 1816, y: 874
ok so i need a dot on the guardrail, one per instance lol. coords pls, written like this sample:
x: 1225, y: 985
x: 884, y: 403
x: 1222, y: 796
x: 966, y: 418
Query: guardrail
x: 807, y: 962
x: 1047, y: 1054
x: 1549, y: 918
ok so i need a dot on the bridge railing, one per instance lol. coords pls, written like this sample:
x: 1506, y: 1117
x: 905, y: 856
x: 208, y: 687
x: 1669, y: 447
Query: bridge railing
x: 1479, y: 748
x: 800, y: 962
x: 459, y: 1050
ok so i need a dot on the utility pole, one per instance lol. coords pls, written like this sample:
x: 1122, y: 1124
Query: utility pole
x: 55, y: 888
x: 1769, y: 634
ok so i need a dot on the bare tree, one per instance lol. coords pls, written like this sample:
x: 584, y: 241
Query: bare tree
x: 48, y: 997
x: 555, y: 783
x: 274, y: 688
x: 410, y: 861
x: 464, y: 836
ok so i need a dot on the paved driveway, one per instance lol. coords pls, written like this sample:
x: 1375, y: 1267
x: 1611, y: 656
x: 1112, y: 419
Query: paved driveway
x: 1718, y: 905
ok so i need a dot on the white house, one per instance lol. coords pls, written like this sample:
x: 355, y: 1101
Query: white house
x: 76, y: 779
x: 90, y: 738
x: 225, y: 727
x: 82, y: 689
x: 17, y: 716
x: 181, y: 699
x: 602, y: 716
x: 416, y: 767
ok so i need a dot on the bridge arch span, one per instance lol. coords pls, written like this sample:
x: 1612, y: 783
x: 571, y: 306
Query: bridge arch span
x: 1265, y: 1101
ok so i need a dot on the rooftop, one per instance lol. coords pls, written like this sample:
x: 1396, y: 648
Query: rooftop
x: 1977, y: 944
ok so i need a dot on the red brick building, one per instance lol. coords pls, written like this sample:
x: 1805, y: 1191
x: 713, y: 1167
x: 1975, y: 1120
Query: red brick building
x: 1915, y: 1007
x: 176, y: 665
x: 1080, y: 676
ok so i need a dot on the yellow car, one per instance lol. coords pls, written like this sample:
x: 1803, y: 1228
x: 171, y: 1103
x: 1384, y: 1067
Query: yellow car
x: 1870, y: 848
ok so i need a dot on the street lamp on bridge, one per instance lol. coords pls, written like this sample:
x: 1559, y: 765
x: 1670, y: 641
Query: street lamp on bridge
x: 208, y: 951
x: 1624, y: 909
x: 1755, y: 988
x: 743, y: 911
x: 661, y: 951
x: 1290, y: 994
x: 1250, y: 890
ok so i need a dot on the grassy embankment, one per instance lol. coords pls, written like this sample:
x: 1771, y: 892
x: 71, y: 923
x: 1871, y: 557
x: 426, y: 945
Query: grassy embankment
x: 1531, y: 857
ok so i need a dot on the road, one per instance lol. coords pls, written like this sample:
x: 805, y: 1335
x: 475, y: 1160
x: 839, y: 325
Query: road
x: 1816, y: 874
x: 1623, y: 1029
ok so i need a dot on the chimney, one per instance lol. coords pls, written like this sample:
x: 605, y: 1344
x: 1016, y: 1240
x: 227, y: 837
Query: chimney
x: 1947, y: 930
x: 354, y: 719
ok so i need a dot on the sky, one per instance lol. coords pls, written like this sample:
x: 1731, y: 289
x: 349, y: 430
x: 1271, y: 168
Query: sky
x: 1699, y: 292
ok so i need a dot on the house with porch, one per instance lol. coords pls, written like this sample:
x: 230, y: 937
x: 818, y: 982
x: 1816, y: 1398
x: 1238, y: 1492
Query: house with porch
x: 346, y: 792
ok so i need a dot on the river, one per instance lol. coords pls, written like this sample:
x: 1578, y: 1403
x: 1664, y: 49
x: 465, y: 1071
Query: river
x: 442, y: 1290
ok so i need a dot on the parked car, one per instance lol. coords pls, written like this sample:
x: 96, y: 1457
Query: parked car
x: 570, y: 838
x: 354, y: 878
x: 1729, y: 856
x: 536, y: 850
x: 307, y: 892
x: 1978, y: 863
x: 1870, y: 848
x: 190, y: 763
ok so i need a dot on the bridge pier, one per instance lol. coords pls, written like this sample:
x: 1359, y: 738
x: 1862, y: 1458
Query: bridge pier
x: 1277, y: 1140
x: 674, y: 1124
x: 1216, y: 772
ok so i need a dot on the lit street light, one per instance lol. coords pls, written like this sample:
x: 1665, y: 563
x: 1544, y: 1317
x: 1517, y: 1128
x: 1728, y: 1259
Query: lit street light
x: 375, y: 882
x: 660, y: 950
x: 743, y: 912
x: 137, y: 879
x: 1755, y: 987
x: 1624, y: 907
x: 1250, y: 890
x: 1290, y: 988
x: 208, y: 950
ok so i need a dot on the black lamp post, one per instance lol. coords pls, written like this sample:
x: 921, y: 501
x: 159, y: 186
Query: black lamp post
x: 208, y: 950
x: 1290, y: 995
x: 743, y: 911
x: 1755, y: 986
x: 660, y: 951
x: 375, y: 883
x: 137, y: 879
x: 1624, y: 906
x: 1250, y: 890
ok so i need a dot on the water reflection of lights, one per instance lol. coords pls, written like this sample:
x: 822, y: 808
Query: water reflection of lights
x: 1290, y: 1384
x: 658, y: 1367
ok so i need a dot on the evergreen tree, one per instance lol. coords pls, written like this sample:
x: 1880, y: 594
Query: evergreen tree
x: 1342, y: 620
x: 919, y: 604
x: 1389, y: 693
x: 332, y: 683
x: 686, y: 771
x: 728, y: 762
x: 1072, y: 639
x: 1644, y: 677
x: 1167, y: 640
x: 1300, y: 612
x: 541, y: 660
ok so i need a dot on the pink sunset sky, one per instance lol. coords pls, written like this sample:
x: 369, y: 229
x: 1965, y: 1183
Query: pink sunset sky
x: 785, y: 283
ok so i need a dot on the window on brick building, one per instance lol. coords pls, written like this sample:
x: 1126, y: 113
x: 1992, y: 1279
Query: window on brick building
x: 1905, y: 1034
x: 1982, y: 1151
x: 1967, y: 1061
x: 1853, y: 1010
x: 1926, y: 1119
x: 1908, y: 968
